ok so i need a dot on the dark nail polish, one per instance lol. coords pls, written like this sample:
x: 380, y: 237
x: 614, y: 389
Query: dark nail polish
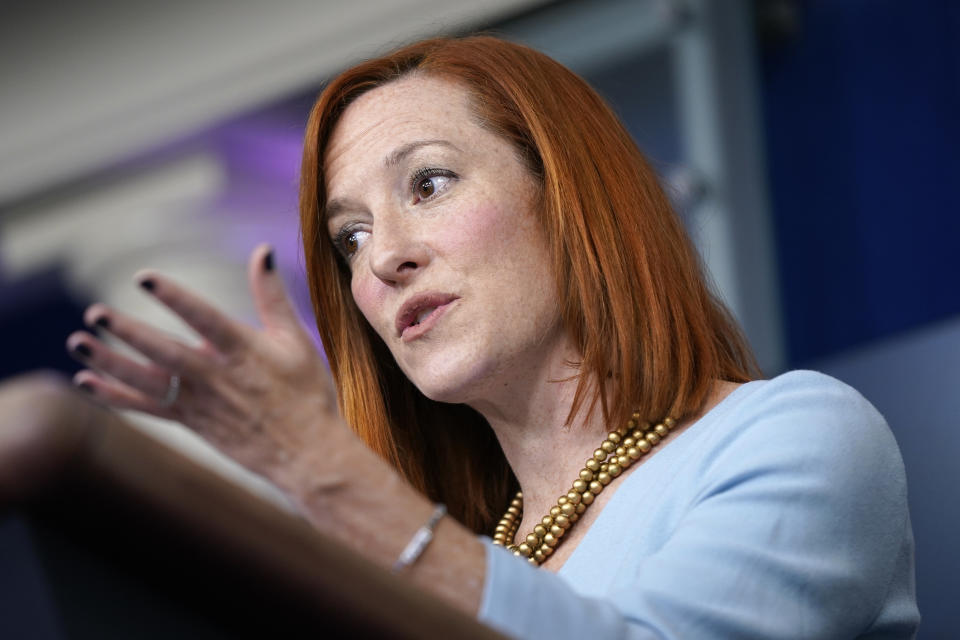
x: 85, y: 387
x: 148, y: 284
x: 82, y: 350
x: 102, y: 322
x: 268, y: 261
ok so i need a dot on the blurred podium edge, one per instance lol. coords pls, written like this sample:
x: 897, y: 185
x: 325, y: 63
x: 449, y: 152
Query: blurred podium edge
x: 244, y: 565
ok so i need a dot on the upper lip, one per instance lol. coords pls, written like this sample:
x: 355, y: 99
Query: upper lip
x: 409, y: 310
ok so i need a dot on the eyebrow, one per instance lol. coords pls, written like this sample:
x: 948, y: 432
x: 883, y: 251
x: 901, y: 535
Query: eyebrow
x: 398, y: 155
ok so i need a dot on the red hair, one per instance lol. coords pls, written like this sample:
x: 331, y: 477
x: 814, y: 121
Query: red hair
x: 631, y: 290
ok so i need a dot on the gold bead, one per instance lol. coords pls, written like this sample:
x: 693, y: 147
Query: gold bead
x: 616, y: 453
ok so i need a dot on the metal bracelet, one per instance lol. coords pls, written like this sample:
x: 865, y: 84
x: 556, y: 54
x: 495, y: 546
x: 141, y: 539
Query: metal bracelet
x: 418, y: 543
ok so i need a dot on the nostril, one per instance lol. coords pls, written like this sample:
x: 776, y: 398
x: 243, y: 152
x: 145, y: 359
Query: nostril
x: 407, y: 265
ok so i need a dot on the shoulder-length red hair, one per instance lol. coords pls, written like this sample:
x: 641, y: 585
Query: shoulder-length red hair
x: 630, y: 286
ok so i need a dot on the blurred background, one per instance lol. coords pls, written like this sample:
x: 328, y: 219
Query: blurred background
x: 809, y: 145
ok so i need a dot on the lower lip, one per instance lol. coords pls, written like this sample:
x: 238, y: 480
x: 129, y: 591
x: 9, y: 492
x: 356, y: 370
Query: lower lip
x: 415, y: 331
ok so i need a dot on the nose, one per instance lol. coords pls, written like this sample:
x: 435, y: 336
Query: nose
x: 397, y: 252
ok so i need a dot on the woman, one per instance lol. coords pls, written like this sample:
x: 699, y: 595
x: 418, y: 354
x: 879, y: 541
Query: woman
x: 507, y: 302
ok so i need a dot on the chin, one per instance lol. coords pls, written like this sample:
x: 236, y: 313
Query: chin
x: 442, y: 390
x: 453, y: 384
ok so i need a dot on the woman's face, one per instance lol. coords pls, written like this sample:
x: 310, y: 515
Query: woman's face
x: 435, y: 216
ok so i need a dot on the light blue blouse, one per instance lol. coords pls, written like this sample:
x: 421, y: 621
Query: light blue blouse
x: 782, y: 513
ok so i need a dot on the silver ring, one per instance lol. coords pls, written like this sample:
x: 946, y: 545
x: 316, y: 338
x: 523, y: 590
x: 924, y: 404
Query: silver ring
x: 173, y: 390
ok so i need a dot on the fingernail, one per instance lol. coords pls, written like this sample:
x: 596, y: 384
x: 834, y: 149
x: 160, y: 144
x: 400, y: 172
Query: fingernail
x: 82, y: 350
x: 85, y: 387
x: 148, y: 284
x: 102, y: 322
x: 268, y: 261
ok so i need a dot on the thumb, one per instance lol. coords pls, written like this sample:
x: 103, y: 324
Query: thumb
x: 269, y: 293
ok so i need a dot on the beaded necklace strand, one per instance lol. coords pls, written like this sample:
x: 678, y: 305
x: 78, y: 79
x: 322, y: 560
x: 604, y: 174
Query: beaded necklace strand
x: 617, y: 452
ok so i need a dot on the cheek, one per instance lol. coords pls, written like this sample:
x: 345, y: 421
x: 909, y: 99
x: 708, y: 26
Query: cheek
x: 369, y: 297
x: 480, y: 232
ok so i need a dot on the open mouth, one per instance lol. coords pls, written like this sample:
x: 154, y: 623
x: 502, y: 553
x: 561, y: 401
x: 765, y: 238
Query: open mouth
x: 421, y: 312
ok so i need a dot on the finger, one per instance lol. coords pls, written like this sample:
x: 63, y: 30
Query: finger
x: 118, y: 395
x: 150, y: 341
x: 148, y: 378
x: 216, y: 327
x: 269, y: 293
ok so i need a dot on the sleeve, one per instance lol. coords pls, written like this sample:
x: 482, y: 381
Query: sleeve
x: 797, y: 528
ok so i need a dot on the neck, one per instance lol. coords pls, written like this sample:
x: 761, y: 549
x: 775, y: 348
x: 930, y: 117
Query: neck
x: 529, y: 418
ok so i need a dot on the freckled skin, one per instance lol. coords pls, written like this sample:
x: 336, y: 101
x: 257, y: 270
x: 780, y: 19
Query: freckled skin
x: 476, y: 237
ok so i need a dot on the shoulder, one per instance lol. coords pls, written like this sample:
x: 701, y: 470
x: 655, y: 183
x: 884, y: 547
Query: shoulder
x: 806, y: 413
x: 813, y: 444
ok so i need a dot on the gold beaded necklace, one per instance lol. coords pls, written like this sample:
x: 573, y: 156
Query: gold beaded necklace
x: 618, y: 451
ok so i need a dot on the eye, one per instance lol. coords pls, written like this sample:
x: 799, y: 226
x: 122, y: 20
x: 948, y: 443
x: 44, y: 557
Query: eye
x: 349, y: 240
x: 427, y: 183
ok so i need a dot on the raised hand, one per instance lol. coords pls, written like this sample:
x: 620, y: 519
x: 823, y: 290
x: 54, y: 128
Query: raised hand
x: 262, y: 396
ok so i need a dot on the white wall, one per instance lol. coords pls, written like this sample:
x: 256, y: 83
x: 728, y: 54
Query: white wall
x: 87, y: 84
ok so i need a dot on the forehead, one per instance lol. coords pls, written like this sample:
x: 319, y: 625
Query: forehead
x: 412, y: 108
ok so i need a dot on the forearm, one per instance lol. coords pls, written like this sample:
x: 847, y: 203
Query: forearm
x: 357, y: 499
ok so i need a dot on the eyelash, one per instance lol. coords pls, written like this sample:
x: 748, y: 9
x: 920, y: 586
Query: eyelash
x: 425, y: 173
x: 340, y: 240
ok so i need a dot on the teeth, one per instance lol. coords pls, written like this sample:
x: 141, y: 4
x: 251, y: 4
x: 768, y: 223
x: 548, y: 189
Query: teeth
x: 423, y: 314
